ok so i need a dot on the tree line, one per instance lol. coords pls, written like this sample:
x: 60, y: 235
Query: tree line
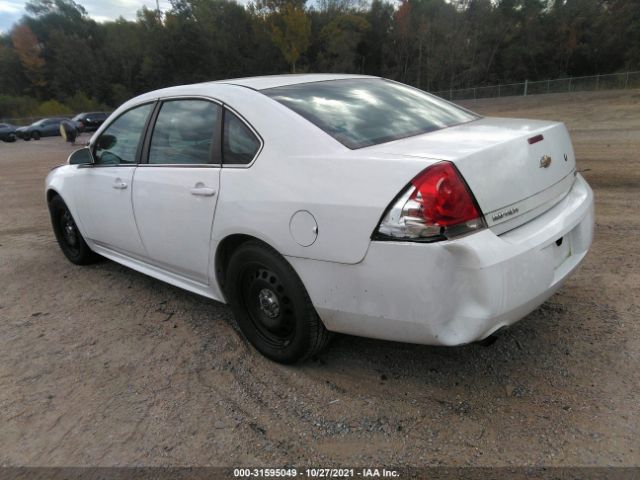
x: 56, y: 57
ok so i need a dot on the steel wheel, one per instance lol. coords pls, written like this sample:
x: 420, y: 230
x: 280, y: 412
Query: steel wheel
x: 271, y: 305
x: 268, y: 305
x: 68, y: 235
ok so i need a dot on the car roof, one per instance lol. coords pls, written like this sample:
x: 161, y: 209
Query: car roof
x: 273, y: 81
x: 222, y: 88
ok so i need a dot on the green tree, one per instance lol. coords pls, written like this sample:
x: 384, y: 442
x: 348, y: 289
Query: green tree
x: 377, y: 38
x: 290, y: 30
x: 342, y: 38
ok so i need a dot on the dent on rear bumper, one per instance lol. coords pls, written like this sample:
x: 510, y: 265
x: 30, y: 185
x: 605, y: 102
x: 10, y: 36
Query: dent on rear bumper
x: 453, y: 292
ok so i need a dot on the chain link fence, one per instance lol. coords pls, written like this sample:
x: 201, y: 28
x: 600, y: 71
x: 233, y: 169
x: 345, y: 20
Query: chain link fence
x: 591, y: 83
x: 611, y: 81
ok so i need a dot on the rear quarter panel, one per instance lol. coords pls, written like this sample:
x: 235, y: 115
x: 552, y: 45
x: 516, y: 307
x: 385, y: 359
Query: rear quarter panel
x: 302, y: 168
x: 346, y: 196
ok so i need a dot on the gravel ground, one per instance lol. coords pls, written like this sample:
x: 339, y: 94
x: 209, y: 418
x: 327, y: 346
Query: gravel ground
x: 101, y: 365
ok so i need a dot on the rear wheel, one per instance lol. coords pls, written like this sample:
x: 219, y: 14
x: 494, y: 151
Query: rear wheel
x: 271, y: 305
x: 36, y: 135
x: 69, y: 238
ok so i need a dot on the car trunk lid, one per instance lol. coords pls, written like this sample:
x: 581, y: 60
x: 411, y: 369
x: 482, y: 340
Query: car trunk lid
x: 517, y: 169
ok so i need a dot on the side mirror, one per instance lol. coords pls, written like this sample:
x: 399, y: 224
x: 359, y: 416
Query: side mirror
x: 81, y: 157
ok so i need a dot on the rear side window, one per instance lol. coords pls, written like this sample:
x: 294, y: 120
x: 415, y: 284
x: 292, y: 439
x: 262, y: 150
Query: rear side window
x: 184, y: 133
x: 118, y: 144
x: 363, y: 112
x: 240, y: 144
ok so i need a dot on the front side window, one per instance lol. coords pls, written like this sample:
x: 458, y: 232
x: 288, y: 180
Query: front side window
x: 118, y: 144
x: 240, y: 144
x: 184, y: 133
x: 363, y: 112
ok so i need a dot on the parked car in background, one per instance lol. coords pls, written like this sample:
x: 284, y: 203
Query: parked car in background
x: 89, y: 121
x: 318, y: 203
x: 7, y: 132
x: 47, y: 127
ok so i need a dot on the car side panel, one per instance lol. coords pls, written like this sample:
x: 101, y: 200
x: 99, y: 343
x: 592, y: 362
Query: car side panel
x: 346, y: 197
x: 68, y: 182
x: 174, y: 223
x: 105, y: 207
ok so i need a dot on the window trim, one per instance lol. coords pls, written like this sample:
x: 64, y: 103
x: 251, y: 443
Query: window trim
x: 143, y: 136
x: 214, y: 153
x: 251, y: 129
x: 142, y: 152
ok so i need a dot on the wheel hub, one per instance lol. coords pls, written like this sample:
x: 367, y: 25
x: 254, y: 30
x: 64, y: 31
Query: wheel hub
x: 268, y: 306
x: 69, y: 230
x: 269, y: 303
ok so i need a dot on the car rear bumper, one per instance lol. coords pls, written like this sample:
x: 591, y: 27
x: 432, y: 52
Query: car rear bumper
x: 453, y: 292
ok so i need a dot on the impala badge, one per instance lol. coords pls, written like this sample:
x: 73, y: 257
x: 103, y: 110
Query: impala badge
x: 504, y: 213
x: 545, y: 161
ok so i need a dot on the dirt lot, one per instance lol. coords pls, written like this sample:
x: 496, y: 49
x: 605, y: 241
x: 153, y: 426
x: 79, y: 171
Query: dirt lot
x: 101, y: 365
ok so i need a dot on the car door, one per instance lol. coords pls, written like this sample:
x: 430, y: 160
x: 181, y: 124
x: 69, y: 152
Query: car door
x: 176, y: 189
x: 104, y: 187
x: 48, y: 128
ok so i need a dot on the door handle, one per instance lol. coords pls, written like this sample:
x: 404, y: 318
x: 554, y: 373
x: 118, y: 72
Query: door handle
x: 119, y: 185
x: 203, y: 191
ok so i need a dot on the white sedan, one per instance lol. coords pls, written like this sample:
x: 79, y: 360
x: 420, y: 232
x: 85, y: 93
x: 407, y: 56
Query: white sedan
x: 330, y: 203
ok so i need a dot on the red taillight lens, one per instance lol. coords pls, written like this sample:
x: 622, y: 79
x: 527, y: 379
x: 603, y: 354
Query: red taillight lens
x: 436, y: 205
x: 444, y: 196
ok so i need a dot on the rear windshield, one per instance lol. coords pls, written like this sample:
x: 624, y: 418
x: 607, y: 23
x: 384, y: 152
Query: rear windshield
x: 363, y: 112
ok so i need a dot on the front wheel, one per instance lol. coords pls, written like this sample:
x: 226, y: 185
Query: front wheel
x: 69, y: 238
x: 271, y: 305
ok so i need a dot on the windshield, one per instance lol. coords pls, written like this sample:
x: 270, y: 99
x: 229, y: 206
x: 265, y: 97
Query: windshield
x: 363, y: 112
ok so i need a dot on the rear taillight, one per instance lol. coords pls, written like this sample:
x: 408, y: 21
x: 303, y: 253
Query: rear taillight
x: 436, y: 205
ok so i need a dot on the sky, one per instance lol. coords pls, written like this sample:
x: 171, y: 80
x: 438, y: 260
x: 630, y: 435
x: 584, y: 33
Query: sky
x: 99, y: 10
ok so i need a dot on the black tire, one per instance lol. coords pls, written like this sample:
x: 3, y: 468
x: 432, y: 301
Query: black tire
x: 26, y: 137
x: 36, y: 135
x: 69, y: 237
x: 271, y: 305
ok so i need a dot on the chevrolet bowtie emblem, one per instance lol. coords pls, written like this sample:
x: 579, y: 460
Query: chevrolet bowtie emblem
x: 545, y: 161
